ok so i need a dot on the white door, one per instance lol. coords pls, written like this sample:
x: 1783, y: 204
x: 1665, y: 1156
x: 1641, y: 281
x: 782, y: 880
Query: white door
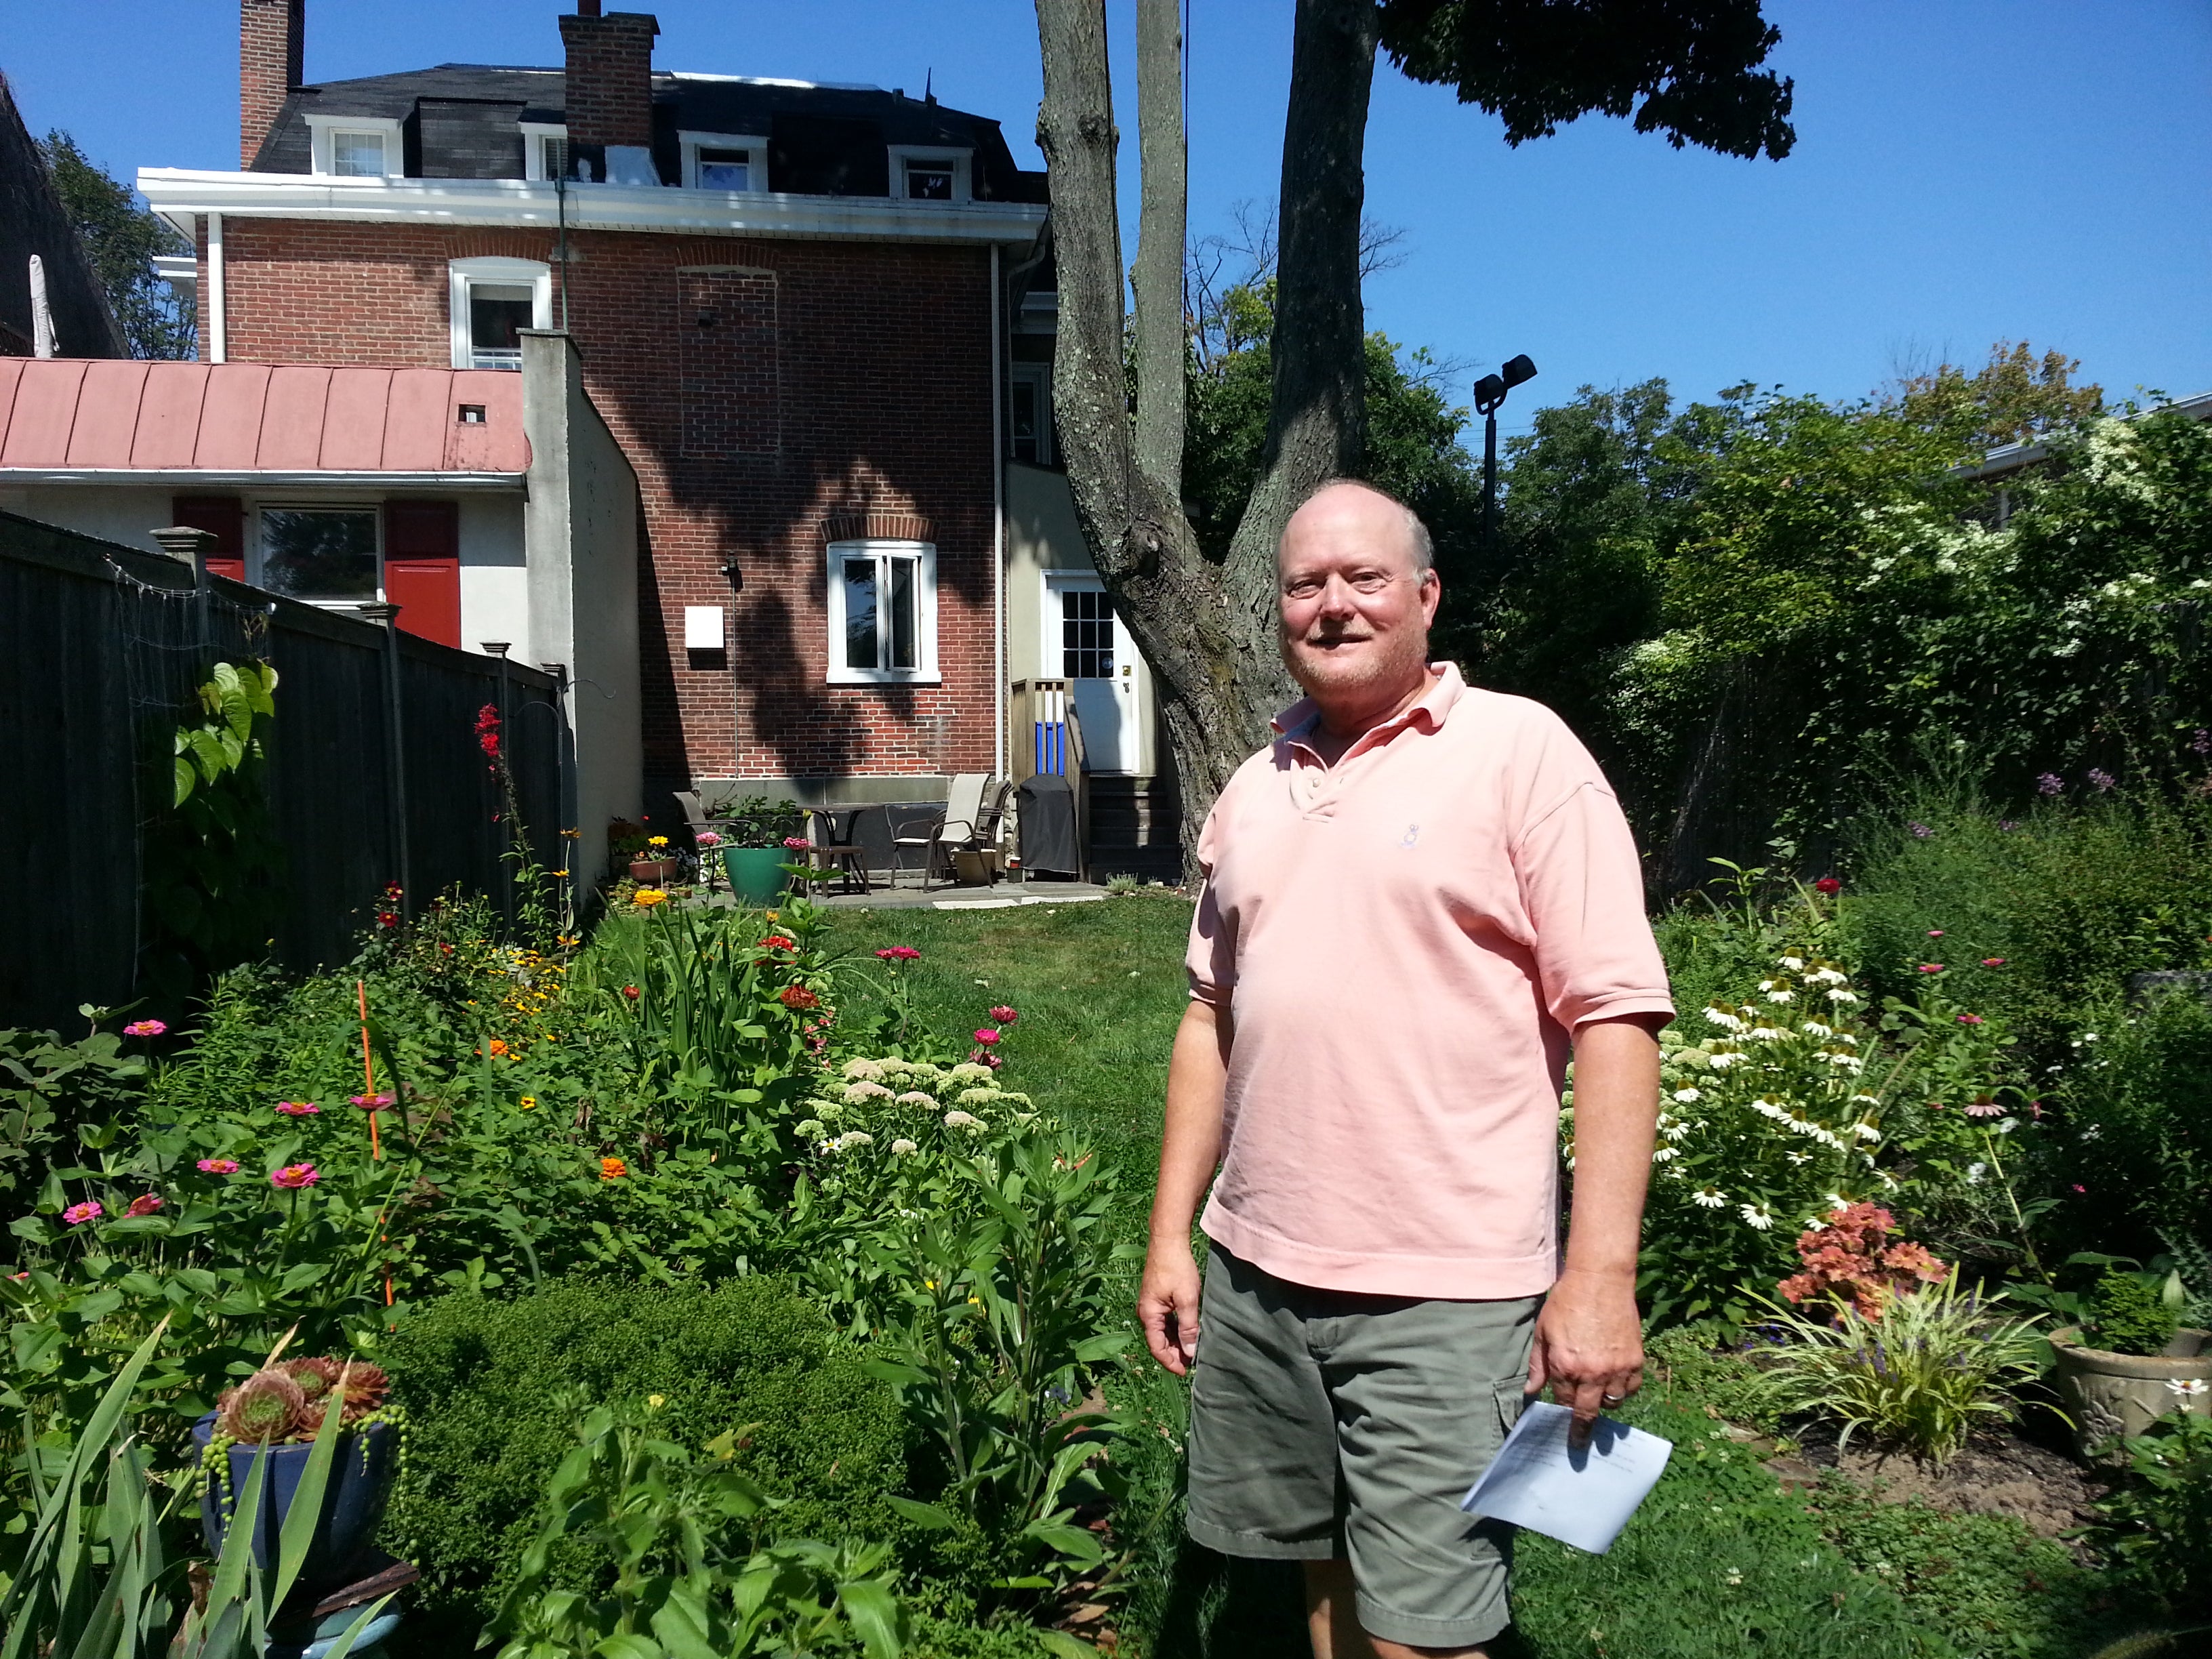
x: 1085, y: 645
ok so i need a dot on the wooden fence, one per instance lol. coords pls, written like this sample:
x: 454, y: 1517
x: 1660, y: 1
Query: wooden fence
x: 375, y: 773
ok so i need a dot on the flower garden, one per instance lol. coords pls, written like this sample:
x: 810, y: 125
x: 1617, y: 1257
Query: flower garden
x: 744, y: 1282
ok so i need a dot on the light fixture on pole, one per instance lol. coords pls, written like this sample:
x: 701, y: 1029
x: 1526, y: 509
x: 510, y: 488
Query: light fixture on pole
x: 1489, y: 393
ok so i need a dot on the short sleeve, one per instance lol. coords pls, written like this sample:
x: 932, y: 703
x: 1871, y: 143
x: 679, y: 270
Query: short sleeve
x: 1582, y: 887
x: 1210, y: 959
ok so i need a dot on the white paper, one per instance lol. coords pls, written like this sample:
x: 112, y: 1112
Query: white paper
x: 1582, y: 1498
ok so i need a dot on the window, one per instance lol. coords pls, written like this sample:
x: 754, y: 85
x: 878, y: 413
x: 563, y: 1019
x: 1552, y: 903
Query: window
x: 493, y: 300
x: 723, y: 161
x: 326, y: 554
x: 354, y: 146
x: 1029, y: 423
x: 544, y: 151
x: 1086, y: 635
x: 883, y: 612
x: 930, y: 175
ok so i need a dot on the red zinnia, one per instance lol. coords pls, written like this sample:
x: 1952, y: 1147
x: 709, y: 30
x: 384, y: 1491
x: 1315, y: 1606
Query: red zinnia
x: 1829, y: 885
x: 1004, y: 1015
x: 987, y: 1037
x: 632, y: 992
x: 798, y: 996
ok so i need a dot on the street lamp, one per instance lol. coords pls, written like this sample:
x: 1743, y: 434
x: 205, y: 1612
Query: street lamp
x: 1490, y: 392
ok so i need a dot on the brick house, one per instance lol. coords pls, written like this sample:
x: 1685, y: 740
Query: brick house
x: 806, y: 312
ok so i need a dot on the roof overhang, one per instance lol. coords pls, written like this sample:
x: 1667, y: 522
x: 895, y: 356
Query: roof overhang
x: 211, y: 479
x: 180, y: 194
x: 2012, y: 457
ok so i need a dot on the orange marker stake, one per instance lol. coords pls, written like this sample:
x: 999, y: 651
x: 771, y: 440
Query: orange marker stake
x: 369, y: 1083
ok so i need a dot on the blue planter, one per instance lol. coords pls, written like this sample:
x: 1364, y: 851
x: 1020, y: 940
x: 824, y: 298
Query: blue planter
x: 353, y: 1501
x: 756, y: 873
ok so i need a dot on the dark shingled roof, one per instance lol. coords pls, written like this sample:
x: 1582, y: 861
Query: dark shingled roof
x: 460, y: 120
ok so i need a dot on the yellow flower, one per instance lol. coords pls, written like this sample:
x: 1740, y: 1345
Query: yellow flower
x: 656, y: 841
x: 560, y: 872
x: 656, y: 1400
x: 929, y: 1283
x: 975, y: 1301
x: 646, y: 898
x: 573, y: 834
x: 529, y: 1102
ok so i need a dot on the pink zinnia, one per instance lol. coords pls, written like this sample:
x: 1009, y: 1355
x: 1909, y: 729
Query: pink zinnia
x: 371, y: 1102
x: 706, y: 838
x: 1934, y: 932
x: 218, y: 1166
x: 1931, y: 967
x: 145, y: 1028
x: 1993, y: 961
x: 1004, y: 1015
x: 143, y: 1205
x: 899, y: 953
x: 987, y: 1035
x: 297, y: 1109
x: 78, y: 1214
x: 294, y: 1177
x: 1970, y: 1020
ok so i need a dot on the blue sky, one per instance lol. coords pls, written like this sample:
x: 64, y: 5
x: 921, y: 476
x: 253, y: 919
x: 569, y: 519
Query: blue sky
x: 1964, y: 172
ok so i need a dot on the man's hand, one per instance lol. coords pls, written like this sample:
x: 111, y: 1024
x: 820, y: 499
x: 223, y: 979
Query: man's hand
x: 1167, y: 1305
x: 1588, y: 1347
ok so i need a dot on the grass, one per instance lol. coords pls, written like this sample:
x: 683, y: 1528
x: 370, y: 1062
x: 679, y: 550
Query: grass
x: 1720, y: 1561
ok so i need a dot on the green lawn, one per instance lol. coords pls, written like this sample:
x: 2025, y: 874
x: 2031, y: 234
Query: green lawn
x: 1719, y: 1563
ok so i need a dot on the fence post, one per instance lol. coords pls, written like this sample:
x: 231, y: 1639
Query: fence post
x: 387, y: 613
x: 497, y: 650
x: 193, y: 546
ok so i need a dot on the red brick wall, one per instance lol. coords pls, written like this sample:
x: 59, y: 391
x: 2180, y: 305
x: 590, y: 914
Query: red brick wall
x: 857, y: 384
x: 271, y: 36
x: 610, y: 78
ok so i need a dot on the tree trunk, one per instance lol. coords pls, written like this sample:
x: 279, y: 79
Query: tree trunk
x: 1208, y: 630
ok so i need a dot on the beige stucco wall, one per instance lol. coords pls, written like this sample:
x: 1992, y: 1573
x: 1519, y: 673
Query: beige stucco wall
x: 581, y: 528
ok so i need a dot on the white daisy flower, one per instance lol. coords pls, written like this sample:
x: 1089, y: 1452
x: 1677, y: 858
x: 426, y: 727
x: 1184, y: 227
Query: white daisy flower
x: 1782, y: 996
x: 1866, y: 1131
x: 1766, y: 1033
x: 1975, y: 1172
x: 1709, y: 1197
x: 1722, y: 1018
x: 1661, y: 1154
x: 1686, y: 1096
x: 1795, y: 965
x: 1836, y: 994
x: 1813, y: 1028
x: 1757, y: 1217
x: 1726, y: 1058
x: 2189, y: 1387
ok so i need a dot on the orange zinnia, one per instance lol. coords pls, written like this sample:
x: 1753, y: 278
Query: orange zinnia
x: 496, y: 1047
x: 612, y: 1169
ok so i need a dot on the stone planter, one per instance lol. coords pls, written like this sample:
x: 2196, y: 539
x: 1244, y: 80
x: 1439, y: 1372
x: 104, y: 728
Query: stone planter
x: 2113, y: 1395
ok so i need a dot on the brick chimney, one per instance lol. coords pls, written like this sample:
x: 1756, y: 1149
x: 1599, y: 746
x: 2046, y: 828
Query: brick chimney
x: 271, y: 42
x: 610, y: 92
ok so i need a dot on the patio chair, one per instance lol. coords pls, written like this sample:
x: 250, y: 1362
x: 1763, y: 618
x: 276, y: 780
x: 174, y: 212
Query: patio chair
x: 972, y: 810
x: 827, y: 850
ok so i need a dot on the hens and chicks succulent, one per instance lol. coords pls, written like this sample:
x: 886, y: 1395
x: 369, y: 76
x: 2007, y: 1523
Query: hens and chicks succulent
x: 289, y: 1401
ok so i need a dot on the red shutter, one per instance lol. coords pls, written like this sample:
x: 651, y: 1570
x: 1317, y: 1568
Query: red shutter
x: 223, y: 517
x: 422, y: 568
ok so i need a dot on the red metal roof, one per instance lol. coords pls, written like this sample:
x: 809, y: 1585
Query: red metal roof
x: 70, y: 413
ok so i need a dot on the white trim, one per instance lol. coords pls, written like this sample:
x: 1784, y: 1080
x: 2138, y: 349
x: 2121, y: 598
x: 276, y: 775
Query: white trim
x: 177, y: 193
x: 322, y: 152
x: 998, y: 535
x: 462, y: 274
x: 924, y: 673
x: 272, y: 479
x: 534, y: 134
x: 960, y: 160
x: 178, y: 270
x: 218, y: 331
x: 690, y: 144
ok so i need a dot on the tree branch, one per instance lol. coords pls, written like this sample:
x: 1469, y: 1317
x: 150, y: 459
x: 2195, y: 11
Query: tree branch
x: 1163, y: 230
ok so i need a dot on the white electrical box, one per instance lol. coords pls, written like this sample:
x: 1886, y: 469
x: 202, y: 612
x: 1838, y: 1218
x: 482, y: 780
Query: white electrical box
x: 702, y: 628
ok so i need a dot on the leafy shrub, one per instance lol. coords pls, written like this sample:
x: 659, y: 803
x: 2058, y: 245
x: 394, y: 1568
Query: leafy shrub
x: 1920, y: 1374
x: 2153, y: 1529
x: 2138, y: 1156
x: 2128, y: 1315
x: 488, y: 1389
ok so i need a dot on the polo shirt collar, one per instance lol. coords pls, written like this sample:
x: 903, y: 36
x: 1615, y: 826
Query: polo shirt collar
x: 1298, y: 721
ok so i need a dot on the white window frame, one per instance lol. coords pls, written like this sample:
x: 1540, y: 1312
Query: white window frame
x: 322, y: 128
x: 1039, y: 375
x: 256, y: 570
x: 924, y: 673
x: 534, y: 134
x: 756, y: 163
x: 960, y: 160
x: 462, y: 274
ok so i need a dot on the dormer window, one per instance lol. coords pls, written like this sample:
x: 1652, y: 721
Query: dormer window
x: 355, y: 147
x: 721, y: 160
x: 930, y: 175
x: 545, y: 152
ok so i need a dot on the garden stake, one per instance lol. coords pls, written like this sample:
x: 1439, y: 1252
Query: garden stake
x: 375, y: 1150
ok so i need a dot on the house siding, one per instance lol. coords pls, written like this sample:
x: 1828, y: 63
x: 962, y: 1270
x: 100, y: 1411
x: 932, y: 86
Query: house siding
x: 852, y: 381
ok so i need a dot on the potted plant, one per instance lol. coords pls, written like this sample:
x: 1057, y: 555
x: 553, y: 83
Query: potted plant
x: 759, y: 838
x: 655, y: 865
x: 2129, y: 1361
x: 283, y: 1407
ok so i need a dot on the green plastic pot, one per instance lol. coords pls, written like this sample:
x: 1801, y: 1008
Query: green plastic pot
x: 756, y: 874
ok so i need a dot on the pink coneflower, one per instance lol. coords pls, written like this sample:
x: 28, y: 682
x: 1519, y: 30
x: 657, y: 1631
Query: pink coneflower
x: 371, y: 1102
x: 293, y: 1176
x: 1970, y: 1020
x: 217, y: 1166
x: 78, y: 1214
x: 1003, y: 1015
x: 145, y: 1205
x: 145, y: 1028
x: 297, y: 1109
x: 1985, y: 1108
x: 987, y: 1036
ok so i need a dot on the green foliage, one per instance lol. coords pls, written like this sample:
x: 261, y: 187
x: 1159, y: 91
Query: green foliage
x: 2127, y: 1314
x: 2015, y: 398
x: 755, y: 820
x: 488, y: 1385
x: 123, y: 240
x: 213, y: 863
x: 2152, y: 1530
x: 1934, y: 1365
x: 691, y: 1575
x: 47, y: 1088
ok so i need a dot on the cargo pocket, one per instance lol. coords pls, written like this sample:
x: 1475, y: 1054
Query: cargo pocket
x: 1511, y: 1402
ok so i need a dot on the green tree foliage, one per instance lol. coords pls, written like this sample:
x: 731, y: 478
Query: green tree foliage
x: 2014, y: 398
x: 122, y: 239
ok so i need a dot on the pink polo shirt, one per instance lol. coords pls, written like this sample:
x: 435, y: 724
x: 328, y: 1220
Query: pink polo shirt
x: 1402, y: 944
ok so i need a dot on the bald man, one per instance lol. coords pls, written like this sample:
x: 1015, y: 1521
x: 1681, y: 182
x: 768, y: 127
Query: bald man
x: 1419, y: 900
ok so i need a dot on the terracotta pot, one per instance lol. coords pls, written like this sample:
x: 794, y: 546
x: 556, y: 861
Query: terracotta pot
x: 2111, y: 1396
x: 651, y: 872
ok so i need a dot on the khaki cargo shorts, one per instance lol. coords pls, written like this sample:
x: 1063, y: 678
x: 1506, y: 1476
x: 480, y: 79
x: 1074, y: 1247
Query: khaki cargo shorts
x: 1325, y: 1424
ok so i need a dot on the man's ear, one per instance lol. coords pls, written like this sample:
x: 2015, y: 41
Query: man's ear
x: 1432, y: 592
